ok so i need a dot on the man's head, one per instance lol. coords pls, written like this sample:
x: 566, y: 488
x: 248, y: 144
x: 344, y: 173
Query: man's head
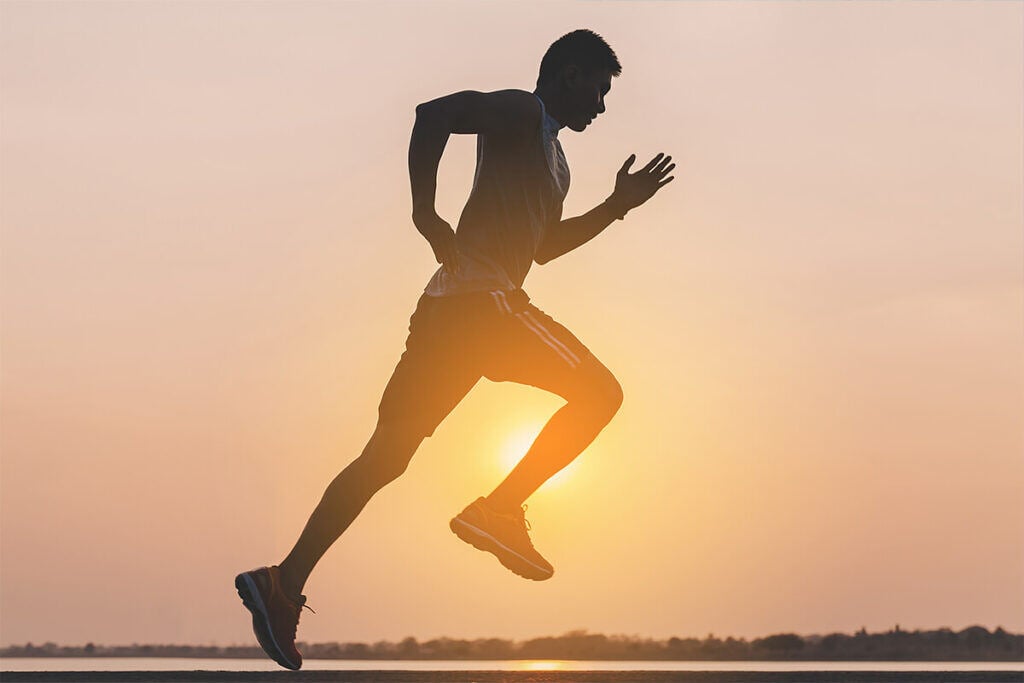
x: 575, y: 75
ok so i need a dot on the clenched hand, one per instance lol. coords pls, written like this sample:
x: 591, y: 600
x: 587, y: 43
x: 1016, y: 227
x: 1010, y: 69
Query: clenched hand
x: 441, y: 237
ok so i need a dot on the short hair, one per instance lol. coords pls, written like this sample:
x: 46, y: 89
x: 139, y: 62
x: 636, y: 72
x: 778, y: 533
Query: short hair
x: 582, y: 47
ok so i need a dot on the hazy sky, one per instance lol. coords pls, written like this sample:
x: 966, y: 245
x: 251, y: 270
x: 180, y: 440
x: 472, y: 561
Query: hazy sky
x: 208, y: 268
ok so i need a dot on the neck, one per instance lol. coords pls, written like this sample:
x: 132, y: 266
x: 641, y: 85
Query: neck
x: 552, y: 103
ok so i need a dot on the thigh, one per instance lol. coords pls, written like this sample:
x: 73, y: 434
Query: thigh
x: 530, y: 347
x: 436, y: 370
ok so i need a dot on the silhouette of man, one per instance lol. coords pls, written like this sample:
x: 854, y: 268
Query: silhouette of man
x: 474, y: 320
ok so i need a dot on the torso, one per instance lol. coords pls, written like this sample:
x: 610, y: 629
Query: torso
x: 518, y: 190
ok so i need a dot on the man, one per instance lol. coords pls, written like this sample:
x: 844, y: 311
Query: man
x: 474, y: 320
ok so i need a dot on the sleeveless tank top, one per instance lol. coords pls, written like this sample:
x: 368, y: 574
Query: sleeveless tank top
x: 518, y: 190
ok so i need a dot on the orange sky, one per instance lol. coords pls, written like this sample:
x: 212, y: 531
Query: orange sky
x: 207, y: 268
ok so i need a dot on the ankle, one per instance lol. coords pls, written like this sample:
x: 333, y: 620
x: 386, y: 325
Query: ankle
x: 291, y: 586
x: 502, y: 505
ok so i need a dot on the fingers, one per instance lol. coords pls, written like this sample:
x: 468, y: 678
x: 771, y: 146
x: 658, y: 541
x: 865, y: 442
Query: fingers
x: 651, y: 164
x: 445, y: 251
x: 658, y: 172
x: 659, y: 165
x: 449, y: 258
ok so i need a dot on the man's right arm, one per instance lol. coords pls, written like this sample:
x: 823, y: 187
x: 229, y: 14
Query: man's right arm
x: 508, y: 114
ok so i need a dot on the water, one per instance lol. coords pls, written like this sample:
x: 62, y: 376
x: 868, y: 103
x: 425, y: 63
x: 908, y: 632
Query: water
x: 211, y: 664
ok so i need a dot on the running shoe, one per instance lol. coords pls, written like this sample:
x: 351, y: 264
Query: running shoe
x: 505, y: 536
x: 275, y: 616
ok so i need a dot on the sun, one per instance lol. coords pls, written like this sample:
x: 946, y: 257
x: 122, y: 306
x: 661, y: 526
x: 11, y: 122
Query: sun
x: 542, y: 665
x: 518, y: 443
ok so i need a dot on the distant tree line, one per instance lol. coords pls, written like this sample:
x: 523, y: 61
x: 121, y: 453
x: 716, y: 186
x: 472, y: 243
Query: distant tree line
x: 975, y: 643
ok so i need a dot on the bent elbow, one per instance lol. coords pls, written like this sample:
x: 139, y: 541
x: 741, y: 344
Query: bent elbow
x: 429, y: 109
x: 432, y: 114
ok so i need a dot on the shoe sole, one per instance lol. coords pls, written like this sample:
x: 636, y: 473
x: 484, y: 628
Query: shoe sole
x: 253, y: 601
x: 509, y: 558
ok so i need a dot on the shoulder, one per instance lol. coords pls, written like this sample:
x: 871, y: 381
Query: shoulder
x: 521, y: 105
x: 521, y: 113
x: 502, y: 113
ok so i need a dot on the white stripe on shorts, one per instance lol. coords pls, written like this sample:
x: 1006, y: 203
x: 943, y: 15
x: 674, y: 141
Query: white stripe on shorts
x: 555, y: 339
x: 504, y: 301
x: 497, y: 301
x: 548, y: 338
x: 500, y: 301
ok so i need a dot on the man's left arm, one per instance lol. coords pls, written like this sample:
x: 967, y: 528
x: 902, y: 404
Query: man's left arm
x: 631, y: 190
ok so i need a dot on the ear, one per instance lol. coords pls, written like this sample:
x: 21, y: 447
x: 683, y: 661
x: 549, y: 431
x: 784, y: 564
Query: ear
x: 571, y: 76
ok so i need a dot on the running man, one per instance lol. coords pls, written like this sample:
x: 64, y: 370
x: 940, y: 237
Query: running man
x: 474, y: 320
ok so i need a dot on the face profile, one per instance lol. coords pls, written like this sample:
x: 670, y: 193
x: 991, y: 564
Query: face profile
x: 584, y: 92
x: 575, y: 76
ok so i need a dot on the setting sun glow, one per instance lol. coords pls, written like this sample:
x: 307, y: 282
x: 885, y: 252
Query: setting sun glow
x: 543, y: 666
x: 516, y: 446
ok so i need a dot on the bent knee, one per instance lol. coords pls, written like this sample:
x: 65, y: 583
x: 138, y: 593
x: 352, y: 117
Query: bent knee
x: 379, y: 467
x: 612, y: 395
x: 388, y: 452
x: 397, y: 436
x: 603, y: 394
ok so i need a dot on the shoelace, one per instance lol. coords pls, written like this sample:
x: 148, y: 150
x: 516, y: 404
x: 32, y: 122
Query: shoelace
x: 526, y: 521
x: 520, y: 520
x: 297, y: 604
x: 298, y: 613
x: 298, y: 607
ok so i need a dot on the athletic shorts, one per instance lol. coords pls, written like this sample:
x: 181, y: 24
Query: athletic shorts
x: 455, y: 340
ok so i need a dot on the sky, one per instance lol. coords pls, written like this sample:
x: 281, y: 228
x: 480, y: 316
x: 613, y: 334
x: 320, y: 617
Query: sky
x: 207, y: 268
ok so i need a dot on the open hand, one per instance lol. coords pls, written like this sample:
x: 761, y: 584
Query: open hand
x: 633, y: 189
